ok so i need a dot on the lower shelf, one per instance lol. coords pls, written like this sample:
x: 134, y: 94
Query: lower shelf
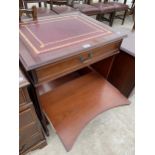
x: 72, y: 105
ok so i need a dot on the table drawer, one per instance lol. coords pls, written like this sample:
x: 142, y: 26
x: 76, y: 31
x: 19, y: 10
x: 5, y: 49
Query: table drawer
x: 55, y: 70
x: 28, y: 131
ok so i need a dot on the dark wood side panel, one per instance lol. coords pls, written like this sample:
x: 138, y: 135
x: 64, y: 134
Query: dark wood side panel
x: 30, y: 129
x: 122, y: 74
x: 104, y: 66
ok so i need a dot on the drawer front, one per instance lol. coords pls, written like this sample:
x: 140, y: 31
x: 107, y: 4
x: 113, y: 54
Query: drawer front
x: 30, y: 132
x: 27, y: 132
x: 23, y: 96
x: 107, y: 49
x: 55, y: 70
x: 27, y: 116
x: 28, y: 143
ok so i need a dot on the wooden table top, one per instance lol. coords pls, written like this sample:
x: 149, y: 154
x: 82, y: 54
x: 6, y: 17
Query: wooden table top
x: 60, y: 36
x: 22, y: 80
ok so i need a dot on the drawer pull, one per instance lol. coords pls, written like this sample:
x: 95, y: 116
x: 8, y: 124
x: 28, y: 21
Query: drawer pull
x: 85, y: 60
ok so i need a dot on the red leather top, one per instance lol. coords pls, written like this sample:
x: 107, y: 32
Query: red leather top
x: 56, y: 37
x: 47, y: 35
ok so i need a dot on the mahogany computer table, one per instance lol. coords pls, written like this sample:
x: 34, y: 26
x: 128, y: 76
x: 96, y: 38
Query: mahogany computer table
x: 57, y: 54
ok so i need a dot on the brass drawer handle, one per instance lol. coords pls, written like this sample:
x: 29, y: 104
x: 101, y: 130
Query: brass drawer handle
x: 85, y: 60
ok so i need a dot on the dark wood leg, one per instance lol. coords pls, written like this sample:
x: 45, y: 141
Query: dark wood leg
x: 133, y: 28
x: 112, y: 16
x: 39, y: 4
x: 47, y: 122
x: 25, y: 5
x: 51, y: 5
x: 122, y: 74
x: 98, y: 16
x: 34, y: 96
x: 124, y: 16
x: 21, y: 6
x: 125, y: 1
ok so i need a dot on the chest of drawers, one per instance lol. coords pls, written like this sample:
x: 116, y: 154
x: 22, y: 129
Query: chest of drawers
x: 31, y: 136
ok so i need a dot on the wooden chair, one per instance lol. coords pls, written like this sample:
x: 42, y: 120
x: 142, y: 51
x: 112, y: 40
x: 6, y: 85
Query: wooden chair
x: 58, y: 2
x: 21, y: 4
x: 34, y: 1
x: 133, y: 10
x: 41, y: 11
x: 32, y: 11
x: 76, y: 6
x: 111, y: 8
x: 85, y: 8
x: 105, y: 8
x: 119, y: 7
x: 63, y: 9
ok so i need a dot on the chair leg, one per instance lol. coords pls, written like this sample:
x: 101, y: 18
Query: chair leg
x: 51, y: 4
x: 112, y: 16
x: 124, y: 16
x: 133, y: 28
x: 25, y: 5
x: 39, y: 4
x: 98, y: 17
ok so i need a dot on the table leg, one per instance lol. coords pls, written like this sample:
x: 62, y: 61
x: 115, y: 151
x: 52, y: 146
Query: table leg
x: 112, y: 16
x: 124, y: 16
x: 39, y: 4
x: 34, y: 96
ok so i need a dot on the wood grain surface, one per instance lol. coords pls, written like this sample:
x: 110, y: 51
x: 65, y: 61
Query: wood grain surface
x: 71, y: 106
x: 122, y: 74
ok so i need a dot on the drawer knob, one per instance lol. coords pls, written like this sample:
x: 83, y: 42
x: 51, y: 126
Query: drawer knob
x: 85, y: 60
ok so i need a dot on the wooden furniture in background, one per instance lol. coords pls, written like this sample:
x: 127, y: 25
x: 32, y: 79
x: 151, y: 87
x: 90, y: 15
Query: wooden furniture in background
x: 35, y: 1
x: 41, y: 11
x: 120, y: 7
x: 21, y: 4
x: 77, y: 42
x: 63, y: 9
x: 58, y: 2
x: 111, y: 8
x: 88, y: 10
x: 105, y: 9
x: 31, y: 136
x: 29, y: 12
